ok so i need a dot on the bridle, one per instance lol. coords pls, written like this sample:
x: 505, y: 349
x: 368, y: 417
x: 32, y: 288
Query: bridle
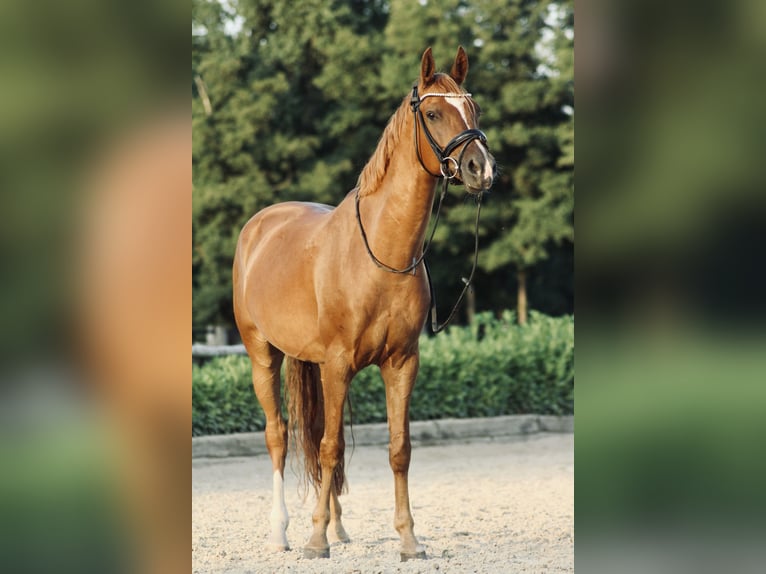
x: 442, y: 154
x: 449, y: 168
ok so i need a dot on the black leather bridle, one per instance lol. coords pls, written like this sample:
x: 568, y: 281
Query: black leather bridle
x: 444, y: 155
x: 450, y: 169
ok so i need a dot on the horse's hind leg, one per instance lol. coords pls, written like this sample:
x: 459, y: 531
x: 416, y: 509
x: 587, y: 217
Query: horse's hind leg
x: 267, y: 361
x: 335, y: 380
x: 335, y: 530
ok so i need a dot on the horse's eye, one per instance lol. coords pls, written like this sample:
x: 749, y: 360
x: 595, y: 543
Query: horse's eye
x: 431, y: 115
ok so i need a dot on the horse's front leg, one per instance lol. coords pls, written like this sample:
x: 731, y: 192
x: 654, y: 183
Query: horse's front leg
x: 399, y: 377
x: 335, y: 381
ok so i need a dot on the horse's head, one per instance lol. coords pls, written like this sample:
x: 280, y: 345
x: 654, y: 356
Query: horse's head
x: 447, y: 124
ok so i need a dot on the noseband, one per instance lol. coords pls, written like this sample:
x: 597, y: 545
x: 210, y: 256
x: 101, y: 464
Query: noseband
x: 444, y: 155
x: 450, y: 168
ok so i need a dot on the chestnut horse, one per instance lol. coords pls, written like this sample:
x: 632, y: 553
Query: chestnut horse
x: 338, y: 289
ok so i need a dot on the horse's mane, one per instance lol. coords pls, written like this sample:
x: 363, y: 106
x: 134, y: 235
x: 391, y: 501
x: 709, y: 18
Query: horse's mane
x: 373, y: 172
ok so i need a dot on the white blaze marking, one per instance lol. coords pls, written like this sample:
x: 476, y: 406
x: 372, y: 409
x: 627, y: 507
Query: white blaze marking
x: 487, y: 164
x: 462, y: 106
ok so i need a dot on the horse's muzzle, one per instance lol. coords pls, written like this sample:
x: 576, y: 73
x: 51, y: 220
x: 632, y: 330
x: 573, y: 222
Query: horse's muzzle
x: 478, y: 169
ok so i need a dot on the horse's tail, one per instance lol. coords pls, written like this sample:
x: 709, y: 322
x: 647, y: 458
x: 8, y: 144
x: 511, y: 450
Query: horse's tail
x: 305, y: 408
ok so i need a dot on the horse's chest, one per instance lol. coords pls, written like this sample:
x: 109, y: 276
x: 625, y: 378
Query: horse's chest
x: 399, y: 314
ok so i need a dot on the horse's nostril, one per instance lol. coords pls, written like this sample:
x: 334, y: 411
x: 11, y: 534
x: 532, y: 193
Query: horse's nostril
x: 473, y: 167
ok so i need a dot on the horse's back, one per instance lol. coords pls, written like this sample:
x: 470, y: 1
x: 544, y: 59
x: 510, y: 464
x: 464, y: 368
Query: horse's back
x: 271, y: 219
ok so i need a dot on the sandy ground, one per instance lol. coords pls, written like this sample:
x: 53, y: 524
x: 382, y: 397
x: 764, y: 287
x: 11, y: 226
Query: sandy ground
x: 505, y: 505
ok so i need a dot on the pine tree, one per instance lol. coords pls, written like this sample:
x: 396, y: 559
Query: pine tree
x: 537, y: 135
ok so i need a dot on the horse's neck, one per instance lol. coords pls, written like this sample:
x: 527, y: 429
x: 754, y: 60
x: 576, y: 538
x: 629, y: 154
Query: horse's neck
x: 400, y: 210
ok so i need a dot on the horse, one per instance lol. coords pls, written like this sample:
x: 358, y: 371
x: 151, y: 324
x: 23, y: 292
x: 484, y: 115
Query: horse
x: 336, y: 289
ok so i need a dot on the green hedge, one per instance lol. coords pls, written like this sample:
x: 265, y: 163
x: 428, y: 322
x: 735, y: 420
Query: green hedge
x: 492, y: 367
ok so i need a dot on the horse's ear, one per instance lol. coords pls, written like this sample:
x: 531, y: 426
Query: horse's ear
x: 427, y: 67
x: 460, y: 66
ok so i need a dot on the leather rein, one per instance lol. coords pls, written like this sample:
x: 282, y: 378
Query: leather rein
x: 450, y: 169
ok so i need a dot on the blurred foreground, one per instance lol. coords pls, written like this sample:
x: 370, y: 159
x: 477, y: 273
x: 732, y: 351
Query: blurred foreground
x: 95, y: 304
x: 671, y: 359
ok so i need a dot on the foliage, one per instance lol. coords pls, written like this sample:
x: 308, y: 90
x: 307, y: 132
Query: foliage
x: 493, y: 367
x: 300, y: 93
x: 223, y: 400
x: 534, y: 126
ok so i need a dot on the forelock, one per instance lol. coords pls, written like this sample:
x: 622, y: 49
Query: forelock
x: 445, y: 83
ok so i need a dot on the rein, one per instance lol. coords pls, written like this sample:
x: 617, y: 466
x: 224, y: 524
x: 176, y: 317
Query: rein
x: 449, y: 169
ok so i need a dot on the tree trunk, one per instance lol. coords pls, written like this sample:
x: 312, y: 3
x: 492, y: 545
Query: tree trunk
x: 521, y: 296
x: 470, y: 304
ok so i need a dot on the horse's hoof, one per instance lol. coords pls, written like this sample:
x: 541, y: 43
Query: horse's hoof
x: 334, y: 537
x: 419, y: 555
x: 277, y: 547
x: 312, y: 553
